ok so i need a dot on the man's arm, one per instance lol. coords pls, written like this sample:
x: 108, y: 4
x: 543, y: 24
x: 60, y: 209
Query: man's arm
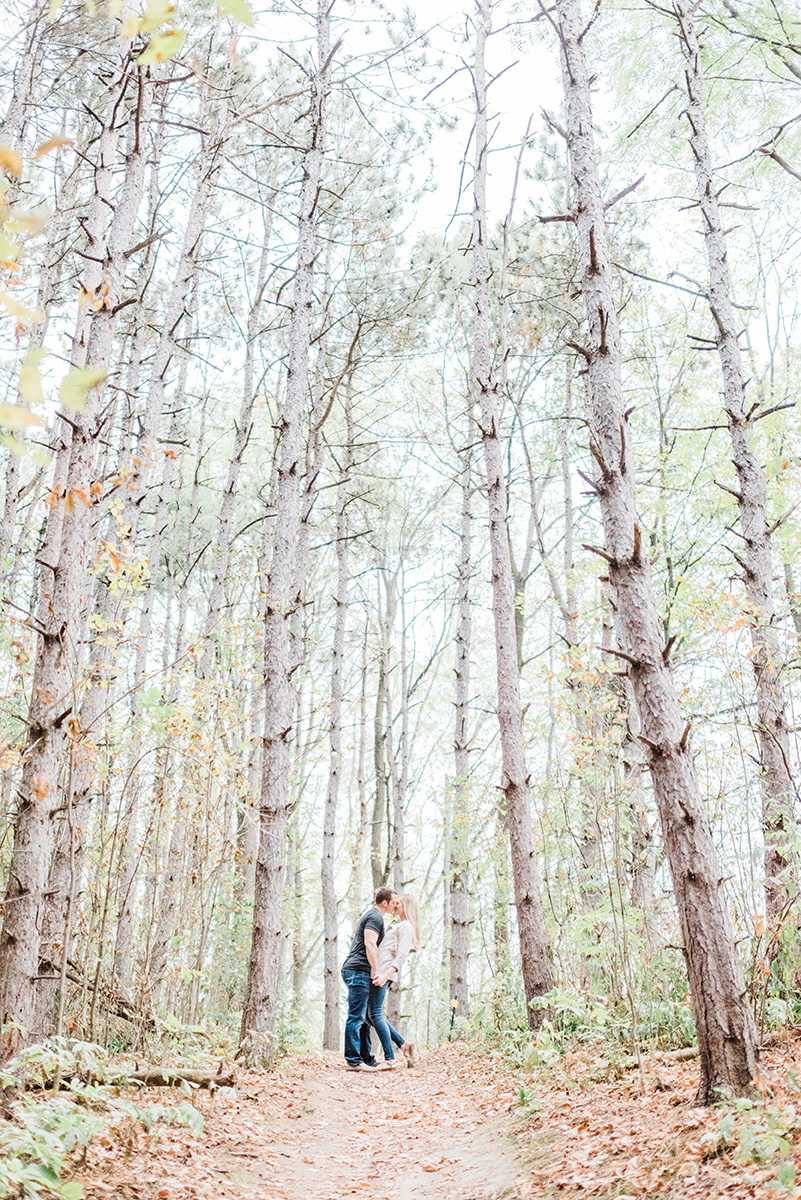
x: 371, y: 949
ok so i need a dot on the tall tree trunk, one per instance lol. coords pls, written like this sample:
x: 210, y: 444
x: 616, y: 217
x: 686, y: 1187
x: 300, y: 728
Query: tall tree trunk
x: 363, y: 809
x: 64, y: 557
x: 259, y: 1011
x: 380, y: 819
x: 778, y: 819
x: 725, y: 1025
x: 27, y: 76
x: 458, y: 870
x: 536, y: 963
x: 225, y: 525
x: 330, y: 916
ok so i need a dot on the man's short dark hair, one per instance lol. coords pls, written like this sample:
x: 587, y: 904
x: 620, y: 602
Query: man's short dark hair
x: 384, y: 894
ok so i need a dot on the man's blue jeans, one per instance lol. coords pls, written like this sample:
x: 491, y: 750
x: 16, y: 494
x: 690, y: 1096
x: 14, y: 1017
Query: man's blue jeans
x: 358, y: 985
x: 386, y: 1034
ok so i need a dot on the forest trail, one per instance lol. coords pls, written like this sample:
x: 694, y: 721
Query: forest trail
x: 463, y: 1126
x: 314, y: 1131
x: 419, y: 1134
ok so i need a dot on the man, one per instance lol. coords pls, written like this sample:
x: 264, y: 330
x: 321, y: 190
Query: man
x: 358, y: 969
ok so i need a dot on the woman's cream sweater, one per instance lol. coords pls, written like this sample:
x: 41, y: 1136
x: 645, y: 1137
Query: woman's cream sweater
x: 394, y: 949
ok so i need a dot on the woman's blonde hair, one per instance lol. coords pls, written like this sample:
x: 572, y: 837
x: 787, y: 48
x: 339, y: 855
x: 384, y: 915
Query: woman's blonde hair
x: 412, y: 910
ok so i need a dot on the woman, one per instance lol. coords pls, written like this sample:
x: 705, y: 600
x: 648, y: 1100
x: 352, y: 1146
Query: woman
x: 395, y: 946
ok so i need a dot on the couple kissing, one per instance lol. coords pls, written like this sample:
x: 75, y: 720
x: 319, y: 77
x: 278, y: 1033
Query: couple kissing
x: 374, y: 960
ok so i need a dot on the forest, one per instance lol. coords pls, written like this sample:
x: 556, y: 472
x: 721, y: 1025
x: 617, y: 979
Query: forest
x: 401, y: 486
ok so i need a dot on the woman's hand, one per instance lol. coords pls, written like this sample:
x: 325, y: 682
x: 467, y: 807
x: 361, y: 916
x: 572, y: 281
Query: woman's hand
x: 380, y: 980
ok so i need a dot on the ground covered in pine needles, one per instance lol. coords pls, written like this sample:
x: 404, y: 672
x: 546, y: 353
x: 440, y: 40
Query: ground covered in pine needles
x: 462, y: 1126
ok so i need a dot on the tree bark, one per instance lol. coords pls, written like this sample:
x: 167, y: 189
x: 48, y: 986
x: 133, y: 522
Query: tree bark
x: 726, y: 1032
x: 330, y: 916
x: 380, y: 863
x: 536, y: 963
x: 778, y: 820
x: 64, y: 556
x: 458, y: 871
x: 225, y: 527
x: 259, y: 1011
x: 362, y: 812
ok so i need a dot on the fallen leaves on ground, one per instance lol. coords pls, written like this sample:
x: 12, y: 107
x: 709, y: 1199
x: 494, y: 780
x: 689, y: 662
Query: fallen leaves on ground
x: 463, y: 1127
x: 641, y: 1134
x: 314, y: 1131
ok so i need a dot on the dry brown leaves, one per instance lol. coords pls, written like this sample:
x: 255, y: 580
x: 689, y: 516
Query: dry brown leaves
x: 643, y: 1136
x: 454, y: 1129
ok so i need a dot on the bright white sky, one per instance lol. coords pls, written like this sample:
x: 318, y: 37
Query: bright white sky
x: 520, y: 93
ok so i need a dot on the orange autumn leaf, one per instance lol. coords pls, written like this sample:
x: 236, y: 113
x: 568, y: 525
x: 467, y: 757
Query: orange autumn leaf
x: 10, y: 161
x: 53, y: 143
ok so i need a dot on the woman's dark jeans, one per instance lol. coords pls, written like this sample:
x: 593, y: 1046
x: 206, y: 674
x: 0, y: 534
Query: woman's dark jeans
x: 386, y: 1034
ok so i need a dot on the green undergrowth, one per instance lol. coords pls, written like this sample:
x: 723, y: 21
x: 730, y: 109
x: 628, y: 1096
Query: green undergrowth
x: 48, y: 1131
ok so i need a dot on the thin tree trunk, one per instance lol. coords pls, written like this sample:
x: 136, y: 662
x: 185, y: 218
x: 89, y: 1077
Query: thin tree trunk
x: 168, y: 907
x: 259, y: 1011
x: 225, y: 525
x: 363, y: 819
x: 725, y: 1024
x: 330, y: 917
x: 380, y: 818
x: 755, y: 559
x: 536, y: 963
x: 27, y: 76
x: 458, y: 870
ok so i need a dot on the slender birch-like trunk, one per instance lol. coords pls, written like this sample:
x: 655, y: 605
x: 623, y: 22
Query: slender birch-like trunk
x: 399, y: 771
x: 27, y: 75
x: 330, y: 917
x: 380, y: 817
x: 130, y: 851
x: 260, y: 1005
x: 398, y: 777
x: 725, y: 1024
x: 64, y: 556
x: 168, y: 907
x: 535, y: 957
x: 458, y: 868
x: 244, y: 425
x: 363, y: 817
x: 755, y: 559
x: 586, y: 697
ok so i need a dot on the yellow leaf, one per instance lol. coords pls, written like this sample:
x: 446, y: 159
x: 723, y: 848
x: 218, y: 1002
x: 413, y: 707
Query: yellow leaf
x: 162, y: 46
x: 30, y: 381
x: 55, y: 8
x: 78, y: 382
x: 13, y: 444
x: 52, y: 143
x: 14, y: 416
x: 129, y: 27
x: 114, y: 7
x: 32, y: 220
x: 10, y: 161
x: 238, y: 10
x: 41, y: 457
x: 158, y: 12
x: 18, y: 310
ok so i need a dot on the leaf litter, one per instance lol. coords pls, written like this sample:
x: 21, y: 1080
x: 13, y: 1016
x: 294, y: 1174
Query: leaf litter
x: 463, y: 1126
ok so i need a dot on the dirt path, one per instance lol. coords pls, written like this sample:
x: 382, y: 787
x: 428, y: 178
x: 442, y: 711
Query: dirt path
x: 400, y: 1135
x: 314, y: 1131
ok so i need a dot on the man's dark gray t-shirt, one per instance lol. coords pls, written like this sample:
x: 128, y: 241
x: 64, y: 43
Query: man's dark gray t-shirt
x: 357, y: 959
